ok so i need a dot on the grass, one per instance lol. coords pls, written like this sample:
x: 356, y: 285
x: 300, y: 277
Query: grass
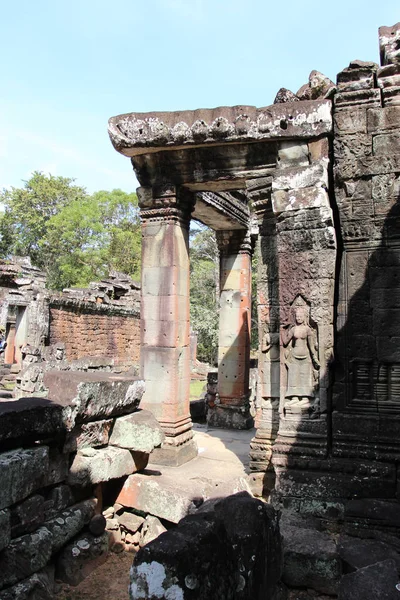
x: 197, y: 389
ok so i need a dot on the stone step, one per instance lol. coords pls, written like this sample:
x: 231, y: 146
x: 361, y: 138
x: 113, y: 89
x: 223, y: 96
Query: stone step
x: 311, y: 559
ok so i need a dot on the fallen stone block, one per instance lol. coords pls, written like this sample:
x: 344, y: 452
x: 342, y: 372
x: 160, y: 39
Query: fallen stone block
x: 232, y: 552
x: 39, y: 586
x: 21, y: 471
x: 24, y: 556
x: 358, y: 553
x: 310, y: 559
x: 139, y: 431
x: 27, y: 515
x: 374, y: 582
x: 92, y: 466
x: 5, y: 528
x: 57, y: 499
x: 27, y: 420
x: 160, y: 497
x: 152, y: 528
x: 80, y: 558
x: 57, y: 470
x: 69, y: 523
x: 88, y: 435
x: 130, y: 521
x: 93, y: 396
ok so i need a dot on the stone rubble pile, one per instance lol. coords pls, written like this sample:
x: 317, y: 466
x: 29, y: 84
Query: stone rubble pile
x: 56, y: 459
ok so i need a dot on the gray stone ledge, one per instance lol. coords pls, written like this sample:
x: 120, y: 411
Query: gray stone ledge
x: 142, y: 133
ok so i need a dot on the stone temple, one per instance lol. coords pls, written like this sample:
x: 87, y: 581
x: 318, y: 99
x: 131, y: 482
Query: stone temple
x: 312, y: 185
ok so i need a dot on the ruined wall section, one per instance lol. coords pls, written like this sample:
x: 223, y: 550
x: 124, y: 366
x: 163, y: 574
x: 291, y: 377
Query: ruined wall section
x: 56, y: 458
x: 95, y: 330
x: 367, y: 189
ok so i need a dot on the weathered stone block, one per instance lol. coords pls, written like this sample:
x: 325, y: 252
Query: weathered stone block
x: 310, y: 559
x: 315, y: 174
x: 88, y: 435
x: 92, y: 466
x: 161, y: 499
x: 351, y: 121
x: 130, y: 521
x: 165, y: 281
x: 358, y: 553
x: 81, y: 557
x: 92, y: 396
x: 30, y: 419
x: 152, y: 528
x: 25, y: 555
x: 57, y: 470
x: 383, y: 119
x: 389, y: 42
x: 139, y: 432
x: 386, y: 143
x: 292, y: 154
x: 39, y: 586
x: 21, y: 471
x: 5, y: 528
x: 366, y: 478
x: 69, y: 522
x: 391, y: 96
x: 166, y: 333
x: 27, y: 515
x: 372, y: 582
x: 358, y: 98
x: 233, y: 549
x: 299, y: 199
x: 57, y: 499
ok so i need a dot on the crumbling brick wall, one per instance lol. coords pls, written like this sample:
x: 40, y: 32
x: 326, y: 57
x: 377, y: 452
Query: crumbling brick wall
x: 96, y: 331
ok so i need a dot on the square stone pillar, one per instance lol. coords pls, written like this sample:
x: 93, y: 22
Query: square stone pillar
x: 232, y: 409
x: 165, y: 328
x: 268, y: 388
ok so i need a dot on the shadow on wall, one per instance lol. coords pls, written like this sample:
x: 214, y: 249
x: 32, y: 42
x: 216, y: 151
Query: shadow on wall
x: 367, y: 366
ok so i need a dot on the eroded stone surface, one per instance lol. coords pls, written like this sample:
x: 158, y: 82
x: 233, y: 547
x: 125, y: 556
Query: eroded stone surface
x: 78, y: 559
x: 92, y: 466
x: 139, y: 432
x: 21, y: 471
x: 137, y: 133
x: 235, y: 549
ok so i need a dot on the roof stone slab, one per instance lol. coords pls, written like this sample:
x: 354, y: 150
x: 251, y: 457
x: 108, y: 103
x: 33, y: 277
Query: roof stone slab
x: 143, y: 133
x: 222, y: 210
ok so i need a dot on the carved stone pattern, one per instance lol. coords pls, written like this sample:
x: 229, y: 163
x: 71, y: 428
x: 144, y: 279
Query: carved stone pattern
x: 228, y: 204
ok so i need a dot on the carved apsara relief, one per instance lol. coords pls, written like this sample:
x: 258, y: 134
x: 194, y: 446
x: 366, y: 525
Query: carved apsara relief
x: 300, y: 343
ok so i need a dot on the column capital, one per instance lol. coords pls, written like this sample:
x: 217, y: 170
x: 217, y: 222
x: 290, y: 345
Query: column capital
x: 166, y: 203
x: 234, y: 242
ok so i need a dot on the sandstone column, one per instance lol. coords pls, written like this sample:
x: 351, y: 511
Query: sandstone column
x: 268, y: 388
x: 165, y: 329
x: 232, y: 411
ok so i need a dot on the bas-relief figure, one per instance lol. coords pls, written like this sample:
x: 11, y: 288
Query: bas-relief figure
x: 270, y: 353
x: 301, y: 360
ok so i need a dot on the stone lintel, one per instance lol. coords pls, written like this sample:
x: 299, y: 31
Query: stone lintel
x: 143, y: 133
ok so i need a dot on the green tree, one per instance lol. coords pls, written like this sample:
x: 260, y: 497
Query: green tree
x: 204, y: 292
x: 27, y: 211
x: 74, y: 237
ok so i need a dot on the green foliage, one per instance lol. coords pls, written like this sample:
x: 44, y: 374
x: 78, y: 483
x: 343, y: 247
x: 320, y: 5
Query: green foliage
x: 76, y: 238
x: 204, y: 288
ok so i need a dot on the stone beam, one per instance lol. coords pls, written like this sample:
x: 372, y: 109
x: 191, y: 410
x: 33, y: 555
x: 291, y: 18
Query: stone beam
x: 143, y: 133
x: 222, y: 211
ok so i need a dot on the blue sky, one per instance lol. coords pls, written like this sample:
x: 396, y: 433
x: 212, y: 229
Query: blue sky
x: 67, y: 66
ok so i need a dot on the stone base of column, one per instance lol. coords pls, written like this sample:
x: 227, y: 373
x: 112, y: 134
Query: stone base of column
x: 230, y: 417
x: 170, y: 455
x: 178, y: 447
x: 302, y: 437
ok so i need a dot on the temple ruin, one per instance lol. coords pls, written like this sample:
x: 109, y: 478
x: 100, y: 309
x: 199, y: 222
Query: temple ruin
x: 312, y: 184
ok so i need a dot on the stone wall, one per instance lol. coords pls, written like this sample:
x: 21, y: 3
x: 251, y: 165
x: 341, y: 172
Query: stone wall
x: 56, y: 457
x: 95, y: 331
